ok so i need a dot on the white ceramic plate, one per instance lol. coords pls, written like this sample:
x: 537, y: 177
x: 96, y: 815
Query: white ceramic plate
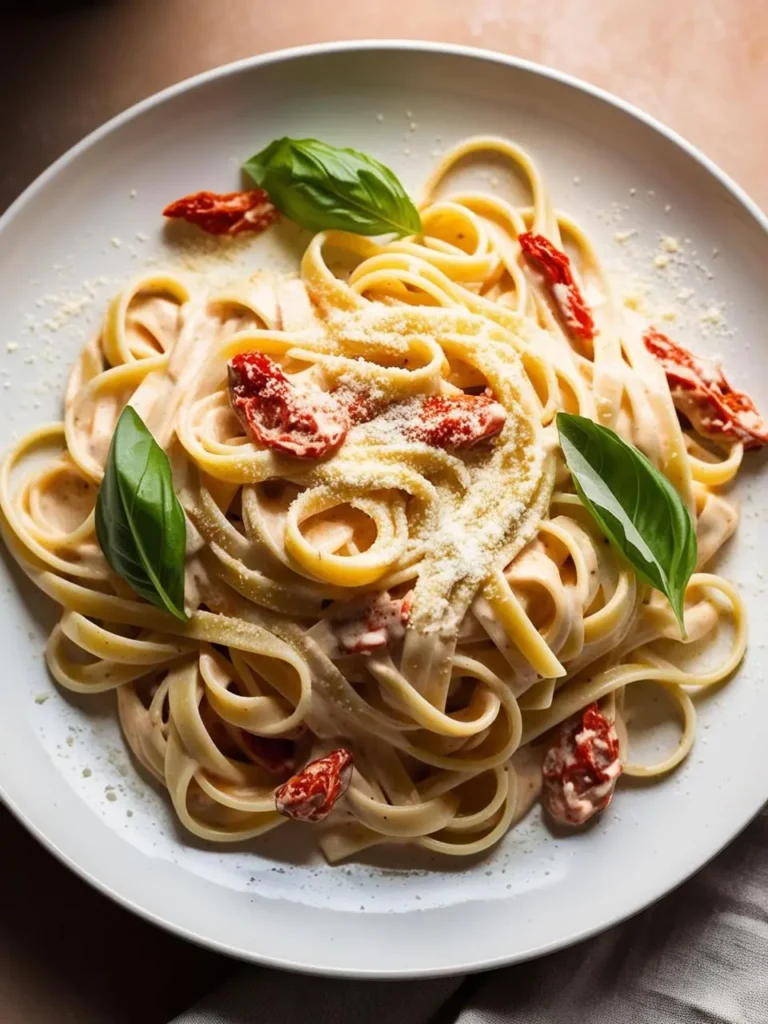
x: 94, y: 217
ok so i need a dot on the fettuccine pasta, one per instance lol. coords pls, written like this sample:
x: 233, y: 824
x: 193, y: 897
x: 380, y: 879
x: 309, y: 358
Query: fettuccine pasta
x: 433, y: 607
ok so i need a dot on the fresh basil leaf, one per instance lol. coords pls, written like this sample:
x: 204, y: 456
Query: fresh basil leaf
x: 634, y: 505
x: 140, y: 524
x: 321, y: 187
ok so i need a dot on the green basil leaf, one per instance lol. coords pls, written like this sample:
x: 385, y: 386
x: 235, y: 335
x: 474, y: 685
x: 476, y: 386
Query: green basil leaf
x: 634, y: 505
x: 322, y: 187
x: 140, y: 524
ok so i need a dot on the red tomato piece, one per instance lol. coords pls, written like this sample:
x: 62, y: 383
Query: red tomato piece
x: 312, y: 794
x: 701, y: 392
x: 555, y: 265
x: 360, y: 408
x: 458, y: 421
x: 581, y: 767
x: 304, y: 423
x: 372, y: 624
x: 226, y: 213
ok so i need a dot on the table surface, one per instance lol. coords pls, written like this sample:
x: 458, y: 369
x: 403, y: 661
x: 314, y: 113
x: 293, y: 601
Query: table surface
x: 69, y: 954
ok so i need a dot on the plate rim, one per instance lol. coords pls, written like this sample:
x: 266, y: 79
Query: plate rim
x: 287, y: 54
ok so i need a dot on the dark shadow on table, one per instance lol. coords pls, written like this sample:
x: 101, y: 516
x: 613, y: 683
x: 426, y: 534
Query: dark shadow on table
x: 32, y: 7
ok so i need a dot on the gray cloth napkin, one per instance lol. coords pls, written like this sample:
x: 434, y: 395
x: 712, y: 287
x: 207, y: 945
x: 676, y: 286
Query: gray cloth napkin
x: 700, y: 956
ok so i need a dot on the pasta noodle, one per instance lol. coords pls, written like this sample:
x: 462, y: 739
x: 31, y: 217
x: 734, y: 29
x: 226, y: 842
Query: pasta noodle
x: 518, y: 614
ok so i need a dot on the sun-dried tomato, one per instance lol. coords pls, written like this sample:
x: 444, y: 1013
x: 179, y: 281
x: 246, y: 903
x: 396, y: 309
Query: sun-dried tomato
x: 556, y: 267
x: 360, y: 408
x: 458, y: 421
x: 373, y: 623
x: 311, y: 795
x: 581, y: 767
x: 302, y: 422
x: 701, y: 393
x: 227, y: 213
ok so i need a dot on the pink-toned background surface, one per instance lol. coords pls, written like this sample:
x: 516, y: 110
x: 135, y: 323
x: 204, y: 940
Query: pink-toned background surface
x: 68, y: 954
